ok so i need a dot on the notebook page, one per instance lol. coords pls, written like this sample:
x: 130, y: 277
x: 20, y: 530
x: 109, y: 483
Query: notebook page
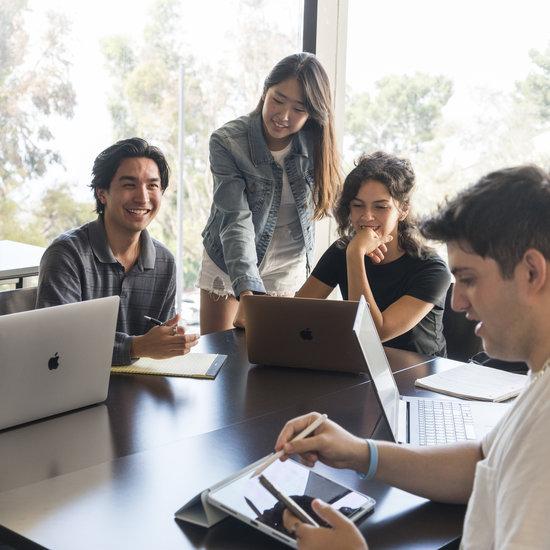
x: 475, y: 382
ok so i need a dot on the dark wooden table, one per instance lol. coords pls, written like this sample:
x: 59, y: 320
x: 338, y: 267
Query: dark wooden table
x: 112, y: 476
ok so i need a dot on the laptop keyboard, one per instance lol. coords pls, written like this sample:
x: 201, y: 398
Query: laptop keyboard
x: 442, y: 422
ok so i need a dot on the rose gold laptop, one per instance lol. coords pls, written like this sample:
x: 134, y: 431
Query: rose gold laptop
x: 302, y: 333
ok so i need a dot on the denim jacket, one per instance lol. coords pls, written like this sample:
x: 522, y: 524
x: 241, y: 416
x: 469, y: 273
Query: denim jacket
x: 247, y: 195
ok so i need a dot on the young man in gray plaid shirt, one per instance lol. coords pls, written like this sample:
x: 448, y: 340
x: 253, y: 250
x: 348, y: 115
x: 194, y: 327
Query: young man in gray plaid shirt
x: 115, y: 255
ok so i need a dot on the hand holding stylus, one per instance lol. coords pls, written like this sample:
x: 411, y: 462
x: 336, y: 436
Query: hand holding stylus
x: 310, y: 428
x: 329, y: 443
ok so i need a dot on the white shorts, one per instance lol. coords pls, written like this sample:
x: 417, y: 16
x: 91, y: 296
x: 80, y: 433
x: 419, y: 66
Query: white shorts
x: 283, y: 268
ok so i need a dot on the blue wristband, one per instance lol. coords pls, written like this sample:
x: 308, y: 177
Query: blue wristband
x: 373, y: 462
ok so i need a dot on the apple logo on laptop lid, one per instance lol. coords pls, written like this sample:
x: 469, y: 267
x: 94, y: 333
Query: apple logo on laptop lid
x: 306, y: 334
x: 53, y: 362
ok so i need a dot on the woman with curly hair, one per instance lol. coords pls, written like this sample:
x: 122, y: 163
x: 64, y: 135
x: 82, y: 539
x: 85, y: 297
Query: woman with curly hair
x: 380, y: 255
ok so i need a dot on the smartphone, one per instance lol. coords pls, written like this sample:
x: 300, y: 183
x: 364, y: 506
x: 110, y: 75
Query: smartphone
x: 287, y: 502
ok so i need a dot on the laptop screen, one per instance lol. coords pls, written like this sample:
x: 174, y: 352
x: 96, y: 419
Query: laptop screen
x: 377, y: 364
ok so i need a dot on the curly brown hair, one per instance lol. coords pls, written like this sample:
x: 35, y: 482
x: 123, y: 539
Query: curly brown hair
x: 397, y: 175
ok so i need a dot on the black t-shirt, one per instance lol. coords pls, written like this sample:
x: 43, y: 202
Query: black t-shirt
x: 426, y: 279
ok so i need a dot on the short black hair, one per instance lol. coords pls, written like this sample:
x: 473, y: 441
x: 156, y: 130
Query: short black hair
x: 500, y: 217
x: 107, y: 162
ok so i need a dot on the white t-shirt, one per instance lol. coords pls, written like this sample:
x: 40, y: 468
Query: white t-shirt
x: 288, y: 213
x: 285, y: 257
x: 510, y: 503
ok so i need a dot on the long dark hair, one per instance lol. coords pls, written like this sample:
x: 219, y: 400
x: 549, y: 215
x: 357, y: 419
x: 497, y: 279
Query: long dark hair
x: 309, y: 72
x: 397, y: 175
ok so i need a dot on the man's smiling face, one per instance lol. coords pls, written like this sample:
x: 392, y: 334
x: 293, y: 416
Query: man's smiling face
x: 134, y: 196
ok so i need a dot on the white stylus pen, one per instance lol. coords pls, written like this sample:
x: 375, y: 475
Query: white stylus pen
x: 275, y: 456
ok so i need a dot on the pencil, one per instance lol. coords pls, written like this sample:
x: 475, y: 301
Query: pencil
x: 275, y: 456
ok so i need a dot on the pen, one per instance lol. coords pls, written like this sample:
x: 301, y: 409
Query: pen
x: 252, y: 506
x: 304, y: 433
x: 153, y: 320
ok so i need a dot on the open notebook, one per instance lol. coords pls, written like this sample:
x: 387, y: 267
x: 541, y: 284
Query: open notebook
x: 472, y: 381
x: 192, y: 365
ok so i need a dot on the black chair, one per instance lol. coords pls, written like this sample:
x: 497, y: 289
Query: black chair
x: 14, y: 301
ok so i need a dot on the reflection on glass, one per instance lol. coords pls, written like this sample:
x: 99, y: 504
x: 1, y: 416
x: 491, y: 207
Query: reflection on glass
x: 247, y: 497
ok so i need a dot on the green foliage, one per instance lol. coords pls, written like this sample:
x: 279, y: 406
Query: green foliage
x: 534, y: 91
x: 9, y: 228
x: 56, y: 212
x: 59, y: 211
x: 400, y: 116
x: 34, y: 87
x: 403, y: 114
x: 145, y: 102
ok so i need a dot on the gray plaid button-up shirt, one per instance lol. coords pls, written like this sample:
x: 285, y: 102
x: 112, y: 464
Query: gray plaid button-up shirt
x: 79, y: 265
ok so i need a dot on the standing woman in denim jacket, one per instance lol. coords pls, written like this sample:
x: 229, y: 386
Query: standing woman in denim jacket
x: 275, y: 172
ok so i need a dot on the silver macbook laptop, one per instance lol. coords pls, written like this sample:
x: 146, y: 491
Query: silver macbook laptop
x: 417, y: 420
x: 55, y: 359
x: 302, y: 333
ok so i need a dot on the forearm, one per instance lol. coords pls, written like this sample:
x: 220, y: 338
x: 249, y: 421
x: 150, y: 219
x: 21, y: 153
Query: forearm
x: 443, y: 473
x: 236, y: 229
x: 358, y: 285
x: 239, y: 252
x: 314, y: 288
x: 399, y: 317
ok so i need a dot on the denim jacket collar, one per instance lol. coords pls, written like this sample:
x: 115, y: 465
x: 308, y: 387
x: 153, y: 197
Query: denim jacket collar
x: 259, y: 152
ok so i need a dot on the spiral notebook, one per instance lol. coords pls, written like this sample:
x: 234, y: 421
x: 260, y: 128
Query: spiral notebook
x: 192, y: 365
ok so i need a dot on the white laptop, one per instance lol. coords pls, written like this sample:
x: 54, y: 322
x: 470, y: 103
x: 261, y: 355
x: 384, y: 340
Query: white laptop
x: 420, y: 421
x: 55, y: 359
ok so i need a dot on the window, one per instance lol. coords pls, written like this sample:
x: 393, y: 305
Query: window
x: 76, y: 77
x: 459, y: 88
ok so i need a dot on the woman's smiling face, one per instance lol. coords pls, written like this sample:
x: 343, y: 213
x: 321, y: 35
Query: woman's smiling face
x: 374, y: 207
x: 283, y: 113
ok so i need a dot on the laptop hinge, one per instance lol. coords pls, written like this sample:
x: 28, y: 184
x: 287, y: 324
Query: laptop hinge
x: 402, y: 423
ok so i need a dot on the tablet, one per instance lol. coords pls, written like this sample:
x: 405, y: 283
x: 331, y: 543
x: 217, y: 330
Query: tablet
x: 246, y: 499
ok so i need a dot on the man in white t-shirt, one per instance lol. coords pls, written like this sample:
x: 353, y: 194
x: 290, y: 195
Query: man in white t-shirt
x: 498, y: 239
